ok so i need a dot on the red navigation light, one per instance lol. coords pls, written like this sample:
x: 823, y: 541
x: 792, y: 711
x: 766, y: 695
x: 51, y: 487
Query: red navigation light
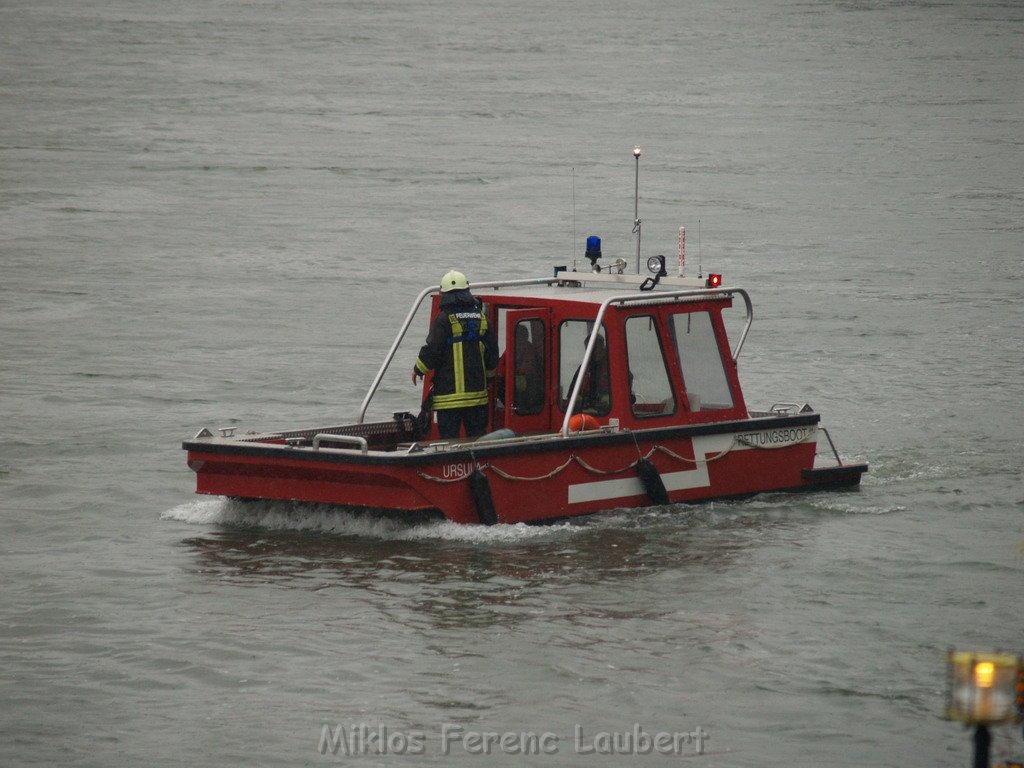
x: 714, y: 280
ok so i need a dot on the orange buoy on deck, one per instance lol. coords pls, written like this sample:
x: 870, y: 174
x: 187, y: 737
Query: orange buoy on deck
x: 583, y: 422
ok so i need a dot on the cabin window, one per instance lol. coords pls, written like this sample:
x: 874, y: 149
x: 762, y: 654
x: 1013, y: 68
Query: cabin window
x: 595, y: 392
x: 528, y: 388
x: 650, y: 387
x: 707, y: 387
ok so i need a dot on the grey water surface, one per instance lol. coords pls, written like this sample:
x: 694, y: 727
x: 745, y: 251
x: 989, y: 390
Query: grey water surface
x: 217, y: 213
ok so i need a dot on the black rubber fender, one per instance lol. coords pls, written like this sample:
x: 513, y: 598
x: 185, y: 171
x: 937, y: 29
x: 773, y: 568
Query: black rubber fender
x: 651, y: 480
x: 481, y: 490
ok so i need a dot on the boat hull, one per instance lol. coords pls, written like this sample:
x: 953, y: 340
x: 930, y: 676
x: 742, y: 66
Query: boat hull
x: 528, y: 479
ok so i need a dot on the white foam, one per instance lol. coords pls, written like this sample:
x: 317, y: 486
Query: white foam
x: 295, y: 516
x: 487, y: 534
x: 854, y: 506
x: 199, y: 511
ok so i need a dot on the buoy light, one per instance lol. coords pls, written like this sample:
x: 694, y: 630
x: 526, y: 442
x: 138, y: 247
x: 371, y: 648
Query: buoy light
x: 984, y: 673
x: 984, y: 688
x: 714, y: 280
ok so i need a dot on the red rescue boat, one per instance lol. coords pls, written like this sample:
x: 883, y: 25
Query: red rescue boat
x: 666, y: 422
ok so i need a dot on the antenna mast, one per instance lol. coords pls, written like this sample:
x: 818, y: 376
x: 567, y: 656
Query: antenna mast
x: 636, y: 207
x: 700, y: 262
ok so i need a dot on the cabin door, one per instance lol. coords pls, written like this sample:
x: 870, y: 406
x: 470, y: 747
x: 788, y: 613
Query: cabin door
x: 527, y: 365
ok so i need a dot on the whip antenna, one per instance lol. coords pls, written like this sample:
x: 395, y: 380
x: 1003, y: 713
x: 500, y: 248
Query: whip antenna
x: 572, y: 250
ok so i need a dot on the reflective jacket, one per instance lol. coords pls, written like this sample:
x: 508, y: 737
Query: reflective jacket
x: 461, y: 352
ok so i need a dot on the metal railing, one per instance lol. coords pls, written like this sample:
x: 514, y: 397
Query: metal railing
x: 326, y: 437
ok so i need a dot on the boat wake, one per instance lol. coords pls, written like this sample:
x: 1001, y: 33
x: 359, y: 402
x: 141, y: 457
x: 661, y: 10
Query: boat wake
x: 320, y: 518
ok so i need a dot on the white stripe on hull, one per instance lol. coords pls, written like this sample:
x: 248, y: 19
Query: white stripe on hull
x: 703, y: 447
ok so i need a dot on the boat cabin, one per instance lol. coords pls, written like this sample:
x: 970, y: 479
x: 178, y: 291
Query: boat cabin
x: 586, y: 350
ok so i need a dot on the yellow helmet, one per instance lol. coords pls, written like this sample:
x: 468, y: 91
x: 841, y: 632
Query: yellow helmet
x: 454, y: 281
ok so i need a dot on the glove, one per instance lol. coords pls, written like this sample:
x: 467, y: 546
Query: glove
x: 415, y: 374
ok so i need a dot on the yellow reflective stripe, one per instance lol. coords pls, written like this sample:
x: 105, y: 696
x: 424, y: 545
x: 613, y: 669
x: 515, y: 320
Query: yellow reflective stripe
x: 460, y: 368
x: 457, y: 361
x: 421, y: 367
x: 460, y: 400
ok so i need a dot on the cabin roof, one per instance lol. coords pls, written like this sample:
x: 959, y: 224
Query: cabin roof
x: 594, y: 289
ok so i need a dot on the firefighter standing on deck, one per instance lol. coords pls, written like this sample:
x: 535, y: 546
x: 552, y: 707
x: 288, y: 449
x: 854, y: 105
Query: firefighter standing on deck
x: 461, y: 352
